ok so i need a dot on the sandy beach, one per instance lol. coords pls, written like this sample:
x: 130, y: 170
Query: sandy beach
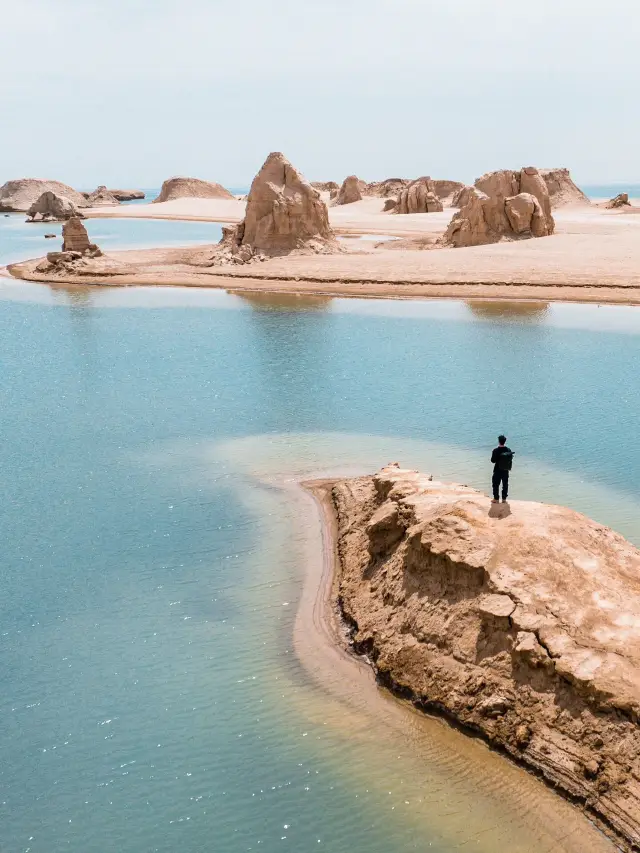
x: 594, y: 256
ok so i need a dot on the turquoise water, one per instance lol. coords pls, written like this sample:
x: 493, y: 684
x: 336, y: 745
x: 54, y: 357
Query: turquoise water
x: 20, y: 240
x: 155, y: 696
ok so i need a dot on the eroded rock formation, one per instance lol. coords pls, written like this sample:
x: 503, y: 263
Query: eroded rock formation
x: 101, y: 197
x: 127, y: 195
x: 284, y: 214
x: 519, y: 621
x: 418, y: 197
x: 349, y: 191
x: 497, y: 206
x: 325, y: 186
x: 179, y: 187
x: 51, y: 206
x: 462, y: 196
x: 621, y: 200
x: 562, y: 190
x: 23, y: 192
x: 389, y: 188
x: 74, y: 236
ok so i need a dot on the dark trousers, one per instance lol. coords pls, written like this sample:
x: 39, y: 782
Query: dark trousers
x: 500, y: 477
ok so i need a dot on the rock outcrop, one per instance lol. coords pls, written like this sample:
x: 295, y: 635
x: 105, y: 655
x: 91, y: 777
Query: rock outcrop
x: 562, y: 190
x: 447, y: 190
x: 389, y: 188
x: 127, y: 195
x: 349, y: 191
x: 325, y: 186
x: 520, y: 621
x: 75, y: 237
x: 462, y: 196
x: 284, y: 214
x: 621, y: 200
x: 101, y: 197
x: 23, y: 192
x: 491, y: 210
x: 179, y: 187
x: 51, y: 206
x: 418, y: 197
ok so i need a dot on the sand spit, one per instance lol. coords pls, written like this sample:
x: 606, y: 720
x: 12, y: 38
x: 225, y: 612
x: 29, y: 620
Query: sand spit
x: 593, y: 256
x: 517, y: 621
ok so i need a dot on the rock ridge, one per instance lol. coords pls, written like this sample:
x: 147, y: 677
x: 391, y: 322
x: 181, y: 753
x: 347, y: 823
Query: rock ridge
x: 519, y: 621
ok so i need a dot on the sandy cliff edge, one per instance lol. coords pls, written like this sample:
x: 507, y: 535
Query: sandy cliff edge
x: 519, y: 622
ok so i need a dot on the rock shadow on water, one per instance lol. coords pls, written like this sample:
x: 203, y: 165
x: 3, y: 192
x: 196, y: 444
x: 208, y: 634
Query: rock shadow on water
x: 264, y: 301
x: 489, y: 309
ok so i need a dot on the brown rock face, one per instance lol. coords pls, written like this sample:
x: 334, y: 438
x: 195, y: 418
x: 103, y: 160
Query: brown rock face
x: 284, y: 213
x: 127, y: 195
x: 490, y: 211
x: 50, y: 206
x: 562, y: 190
x: 101, y: 197
x: 621, y: 200
x: 419, y: 197
x: 190, y: 188
x: 74, y: 236
x: 524, y: 213
x: 520, y: 621
x: 22, y: 193
x: 349, y: 191
x: 462, y: 196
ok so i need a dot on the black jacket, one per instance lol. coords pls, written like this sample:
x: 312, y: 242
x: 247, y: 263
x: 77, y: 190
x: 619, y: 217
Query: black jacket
x: 497, y: 452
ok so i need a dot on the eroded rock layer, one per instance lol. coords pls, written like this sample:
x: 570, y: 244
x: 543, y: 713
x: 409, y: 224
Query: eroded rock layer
x: 349, y: 191
x: 520, y: 621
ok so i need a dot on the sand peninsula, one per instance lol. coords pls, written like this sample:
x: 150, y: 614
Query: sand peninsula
x: 524, y: 234
x: 518, y: 622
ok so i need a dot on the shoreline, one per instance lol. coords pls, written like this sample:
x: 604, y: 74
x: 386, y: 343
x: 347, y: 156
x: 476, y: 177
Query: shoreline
x: 350, y: 288
x: 320, y: 608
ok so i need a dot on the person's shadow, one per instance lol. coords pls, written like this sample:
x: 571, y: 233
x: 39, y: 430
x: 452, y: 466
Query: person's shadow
x: 497, y: 510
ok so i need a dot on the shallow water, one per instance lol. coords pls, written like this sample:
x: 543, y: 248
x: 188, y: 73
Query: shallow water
x: 154, y: 556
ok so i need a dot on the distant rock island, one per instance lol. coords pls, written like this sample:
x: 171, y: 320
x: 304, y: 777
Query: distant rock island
x: 20, y: 194
x: 520, y: 621
x: 179, y: 187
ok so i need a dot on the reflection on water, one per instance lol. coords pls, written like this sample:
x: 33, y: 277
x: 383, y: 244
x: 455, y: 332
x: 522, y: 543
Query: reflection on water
x: 496, y: 309
x: 284, y: 301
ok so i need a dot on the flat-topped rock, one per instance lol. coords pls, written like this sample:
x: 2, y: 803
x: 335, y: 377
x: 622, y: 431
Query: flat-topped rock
x: 127, y: 195
x: 388, y: 188
x: 179, y: 187
x: 520, y: 620
x: 20, y: 194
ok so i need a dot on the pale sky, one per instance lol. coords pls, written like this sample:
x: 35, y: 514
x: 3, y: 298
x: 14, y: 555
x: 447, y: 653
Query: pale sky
x: 129, y: 92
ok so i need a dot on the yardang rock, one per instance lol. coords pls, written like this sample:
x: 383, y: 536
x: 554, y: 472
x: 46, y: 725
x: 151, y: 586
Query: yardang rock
x: 180, y: 187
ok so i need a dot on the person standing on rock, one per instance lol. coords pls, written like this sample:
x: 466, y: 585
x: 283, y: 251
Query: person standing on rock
x: 502, y: 458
